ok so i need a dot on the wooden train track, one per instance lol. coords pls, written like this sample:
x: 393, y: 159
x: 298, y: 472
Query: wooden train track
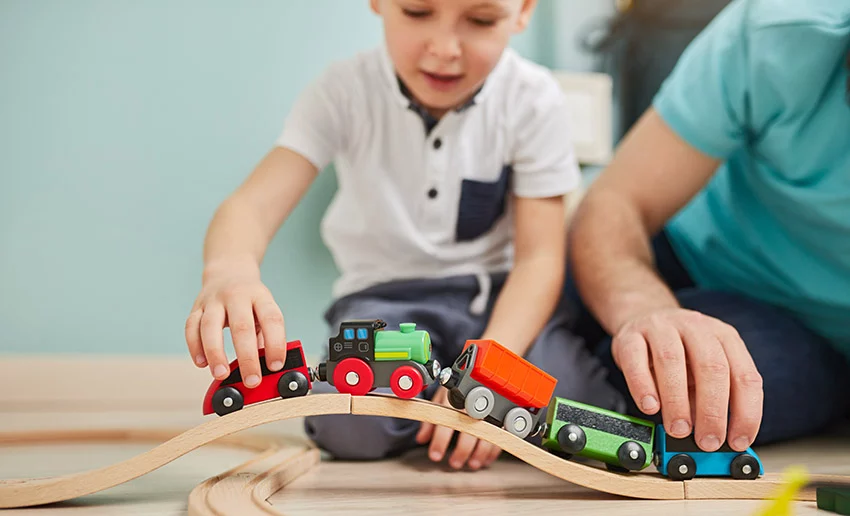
x: 275, y: 467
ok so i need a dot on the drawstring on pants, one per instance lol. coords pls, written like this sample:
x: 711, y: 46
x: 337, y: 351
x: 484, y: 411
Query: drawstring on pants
x: 485, y: 285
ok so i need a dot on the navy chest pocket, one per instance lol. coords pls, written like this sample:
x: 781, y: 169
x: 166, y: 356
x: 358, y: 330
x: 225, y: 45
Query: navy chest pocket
x: 481, y: 205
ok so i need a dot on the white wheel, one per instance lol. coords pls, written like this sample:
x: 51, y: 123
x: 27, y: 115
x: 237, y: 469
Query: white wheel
x: 479, y: 402
x: 518, y: 422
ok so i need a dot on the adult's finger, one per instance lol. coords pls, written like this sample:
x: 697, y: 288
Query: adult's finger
x: 240, y: 316
x: 707, y: 361
x: 193, y: 337
x: 273, y: 332
x: 463, y: 449
x: 633, y: 359
x: 746, y: 391
x: 212, y: 325
x: 668, y: 357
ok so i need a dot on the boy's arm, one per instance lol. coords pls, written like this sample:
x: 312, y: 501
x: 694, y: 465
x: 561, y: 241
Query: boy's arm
x: 534, y: 285
x: 653, y: 175
x: 232, y: 293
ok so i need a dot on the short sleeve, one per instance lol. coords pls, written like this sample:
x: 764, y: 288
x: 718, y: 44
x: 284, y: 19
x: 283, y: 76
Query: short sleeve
x: 704, y: 100
x: 316, y: 125
x: 544, y: 161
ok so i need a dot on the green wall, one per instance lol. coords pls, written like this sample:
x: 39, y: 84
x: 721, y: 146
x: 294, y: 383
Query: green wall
x: 123, y: 124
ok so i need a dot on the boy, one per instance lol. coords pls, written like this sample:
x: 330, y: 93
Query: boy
x: 429, y: 134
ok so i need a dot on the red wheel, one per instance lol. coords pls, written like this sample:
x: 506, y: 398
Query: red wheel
x: 353, y: 376
x: 406, y: 382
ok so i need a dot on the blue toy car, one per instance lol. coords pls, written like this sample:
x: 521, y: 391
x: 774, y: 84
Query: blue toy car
x: 682, y: 459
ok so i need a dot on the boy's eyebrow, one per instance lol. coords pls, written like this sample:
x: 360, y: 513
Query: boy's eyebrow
x: 498, y: 6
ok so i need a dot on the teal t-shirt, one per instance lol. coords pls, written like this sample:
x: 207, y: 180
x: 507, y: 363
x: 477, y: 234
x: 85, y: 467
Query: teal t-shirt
x: 764, y: 88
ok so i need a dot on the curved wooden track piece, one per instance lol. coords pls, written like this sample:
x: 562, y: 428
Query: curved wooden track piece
x: 646, y: 484
x: 245, y: 489
x: 27, y: 492
x: 635, y: 485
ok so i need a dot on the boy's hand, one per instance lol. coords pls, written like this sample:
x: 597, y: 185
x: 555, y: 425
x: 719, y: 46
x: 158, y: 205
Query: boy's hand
x: 479, y: 453
x: 700, y: 367
x: 236, y: 298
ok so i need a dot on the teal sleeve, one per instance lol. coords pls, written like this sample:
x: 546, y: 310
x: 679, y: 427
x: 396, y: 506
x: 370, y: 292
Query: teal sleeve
x: 705, y: 97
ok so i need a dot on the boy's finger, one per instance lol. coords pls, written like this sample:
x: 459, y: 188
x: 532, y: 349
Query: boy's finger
x: 212, y: 324
x: 494, y: 454
x: 633, y: 358
x: 439, y: 443
x: 479, y: 456
x: 193, y: 338
x: 668, y: 358
x: 426, y: 430
x: 465, y: 445
x: 240, y: 316
x: 274, y: 334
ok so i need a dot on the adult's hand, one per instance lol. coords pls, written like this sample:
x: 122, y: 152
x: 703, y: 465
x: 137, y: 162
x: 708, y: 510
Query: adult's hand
x: 696, y: 369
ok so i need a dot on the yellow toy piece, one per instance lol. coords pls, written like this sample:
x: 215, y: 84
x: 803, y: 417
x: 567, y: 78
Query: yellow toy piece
x: 794, y: 479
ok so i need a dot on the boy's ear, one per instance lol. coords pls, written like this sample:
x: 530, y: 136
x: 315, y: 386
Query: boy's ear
x: 375, y: 5
x: 525, y: 14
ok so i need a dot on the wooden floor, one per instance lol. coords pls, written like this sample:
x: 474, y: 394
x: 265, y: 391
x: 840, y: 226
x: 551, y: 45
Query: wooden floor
x: 171, y: 399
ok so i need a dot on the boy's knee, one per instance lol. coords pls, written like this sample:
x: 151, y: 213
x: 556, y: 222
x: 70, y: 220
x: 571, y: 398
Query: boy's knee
x: 354, y: 437
x: 351, y: 437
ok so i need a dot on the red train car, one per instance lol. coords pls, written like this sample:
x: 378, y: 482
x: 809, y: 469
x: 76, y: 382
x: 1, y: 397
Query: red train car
x: 230, y: 394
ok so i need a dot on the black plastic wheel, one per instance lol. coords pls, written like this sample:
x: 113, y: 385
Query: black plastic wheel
x: 227, y: 400
x: 631, y: 455
x: 681, y: 467
x: 289, y: 380
x: 745, y: 467
x: 572, y: 438
x: 456, y: 399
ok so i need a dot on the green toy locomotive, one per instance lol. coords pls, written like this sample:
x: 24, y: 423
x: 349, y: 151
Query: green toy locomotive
x: 364, y: 356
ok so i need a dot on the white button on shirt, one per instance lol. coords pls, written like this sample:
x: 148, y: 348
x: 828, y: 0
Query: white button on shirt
x: 419, y: 204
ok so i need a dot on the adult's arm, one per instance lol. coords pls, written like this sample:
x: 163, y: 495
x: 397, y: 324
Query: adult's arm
x: 656, y: 343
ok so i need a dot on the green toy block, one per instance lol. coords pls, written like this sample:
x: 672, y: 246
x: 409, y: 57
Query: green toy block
x: 834, y: 499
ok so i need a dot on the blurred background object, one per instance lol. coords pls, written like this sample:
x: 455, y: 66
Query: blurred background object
x: 124, y: 124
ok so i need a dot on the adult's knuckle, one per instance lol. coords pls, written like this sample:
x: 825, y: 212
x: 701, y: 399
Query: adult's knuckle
x: 691, y: 318
x: 669, y: 355
x: 750, y: 379
x: 657, y: 319
x: 714, y: 368
x: 713, y: 416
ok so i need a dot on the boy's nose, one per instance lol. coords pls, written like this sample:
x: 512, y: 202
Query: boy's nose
x: 445, y: 46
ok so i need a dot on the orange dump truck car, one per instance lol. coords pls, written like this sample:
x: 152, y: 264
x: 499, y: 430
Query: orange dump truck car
x: 493, y: 383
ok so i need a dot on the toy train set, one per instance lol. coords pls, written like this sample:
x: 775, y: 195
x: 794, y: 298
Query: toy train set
x: 491, y: 383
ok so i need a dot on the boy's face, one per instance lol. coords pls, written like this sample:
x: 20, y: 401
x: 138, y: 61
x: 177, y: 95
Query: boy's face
x: 443, y: 50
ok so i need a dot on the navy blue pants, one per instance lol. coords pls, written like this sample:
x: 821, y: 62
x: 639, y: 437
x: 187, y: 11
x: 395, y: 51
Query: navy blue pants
x: 442, y: 307
x: 806, y: 381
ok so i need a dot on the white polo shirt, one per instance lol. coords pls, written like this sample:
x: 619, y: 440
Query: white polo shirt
x: 420, y: 203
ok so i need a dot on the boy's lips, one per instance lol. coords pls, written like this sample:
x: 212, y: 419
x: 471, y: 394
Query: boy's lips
x: 442, y: 82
